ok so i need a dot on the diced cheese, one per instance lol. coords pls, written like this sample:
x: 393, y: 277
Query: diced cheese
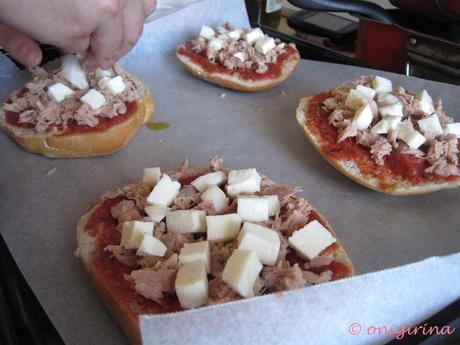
x: 72, y: 71
x: 216, y: 196
x: 224, y: 37
x: 197, y: 251
x: 241, y: 271
x: 192, y: 285
x: 253, y: 35
x: 430, y: 124
x: 150, y: 245
x: 156, y: 212
x: 366, y: 91
x: 363, y: 117
x: 204, y: 181
x: 151, y: 176
x: 387, y: 98
x: 386, y: 124
x: 265, y: 44
x: 355, y: 99
x: 164, y: 192
x: 221, y: 30
x: 207, y: 32
x: 311, y: 240
x: 94, y: 99
x: 216, y: 43
x: 411, y: 137
x: 253, y: 209
x: 454, y: 128
x: 243, y: 181
x: 235, y: 34
x: 133, y: 232
x: 58, y: 92
x: 381, y: 84
x: 264, y: 241
x: 116, y: 85
x: 104, y: 73
x: 273, y: 204
x: 240, y: 56
x: 186, y: 221
x: 424, y: 96
x: 223, y: 227
x: 395, y: 109
x: 427, y: 108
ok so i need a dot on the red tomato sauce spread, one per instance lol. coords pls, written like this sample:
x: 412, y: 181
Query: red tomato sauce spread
x: 407, y: 167
x: 273, y: 72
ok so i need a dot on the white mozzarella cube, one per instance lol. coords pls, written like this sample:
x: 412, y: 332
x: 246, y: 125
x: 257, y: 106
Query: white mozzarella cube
x: 386, y: 124
x: 197, y: 251
x: 164, y: 192
x: 150, y: 245
x: 311, y: 240
x: 453, y: 128
x: 395, y: 109
x: 241, y: 271
x: 411, y: 137
x: 387, y: 98
x: 253, y: 209
x: 116, y: 85
x: 381, y: 84
x: 424, y: 96
x: 253, y: 35
x: 235, y: 34
x: 156, y: 212
x: 366, y: 91
x: 224, y: 37
x: 265, y: 44
x: 204, y: 181
x: 363, y: 117
x: 104, y: 73
x: 240, y: 56
x: 192, y: 285
x: 151, y: 176
x: 207, y: 32
x: 216, y: 43
x: 273, y: 204
x: 133, y: 232
x: 72, y: 71
x: 355, y: 99
x: 264, y: 241
x: 243, y: 181
x: 186, y: 221
x: 217, y: 197
x: 94, y: 99
x: 223, y: 228
x: 426, y: 107
x: 430, y: 124
x: 58, y: 92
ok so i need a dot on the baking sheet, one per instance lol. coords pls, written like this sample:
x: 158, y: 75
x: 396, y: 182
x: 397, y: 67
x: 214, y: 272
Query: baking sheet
x: 38, y: 213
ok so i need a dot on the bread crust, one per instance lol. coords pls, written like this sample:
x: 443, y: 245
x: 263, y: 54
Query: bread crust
x: 89, y: 144
x: 350, y: 169
x: 233, y: 81
x: 125, y: 312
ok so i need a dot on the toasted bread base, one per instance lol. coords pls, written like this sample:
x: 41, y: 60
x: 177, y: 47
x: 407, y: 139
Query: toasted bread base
x: 88, y: 144
x: 349, y: 168
x: 125, y: 312
x: 236, y: 83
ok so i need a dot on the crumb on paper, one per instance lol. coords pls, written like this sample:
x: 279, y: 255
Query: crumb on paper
x: 279, y: 294
x: 282, y: 93
x: 51, y: 171
x: 222, y: 95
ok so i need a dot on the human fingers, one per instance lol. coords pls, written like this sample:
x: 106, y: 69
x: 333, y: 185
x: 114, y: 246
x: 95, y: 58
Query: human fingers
x: 133, y: 22
x: 21, y: 47
x: 149, y: 7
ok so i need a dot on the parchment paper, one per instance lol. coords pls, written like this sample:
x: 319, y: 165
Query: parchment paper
x: 38, y: 213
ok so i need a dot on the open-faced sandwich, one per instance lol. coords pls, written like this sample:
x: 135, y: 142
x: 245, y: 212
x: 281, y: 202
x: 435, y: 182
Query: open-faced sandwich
x: 246, y: 60
x: 388, y: 139
x: 68, y: 113
x: 201, y: 236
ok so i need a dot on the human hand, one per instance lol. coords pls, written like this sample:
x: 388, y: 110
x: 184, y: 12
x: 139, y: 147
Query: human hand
x: 101, y: 30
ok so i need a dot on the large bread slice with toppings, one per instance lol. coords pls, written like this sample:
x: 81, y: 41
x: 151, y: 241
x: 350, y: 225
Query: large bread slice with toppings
x: 131, y: 285
x: 74, y: 139
x: 376, y: 162
x: 239, y: 65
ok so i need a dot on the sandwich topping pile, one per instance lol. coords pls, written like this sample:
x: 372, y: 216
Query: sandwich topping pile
x: 190, y: 238
x: 56, y: 103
